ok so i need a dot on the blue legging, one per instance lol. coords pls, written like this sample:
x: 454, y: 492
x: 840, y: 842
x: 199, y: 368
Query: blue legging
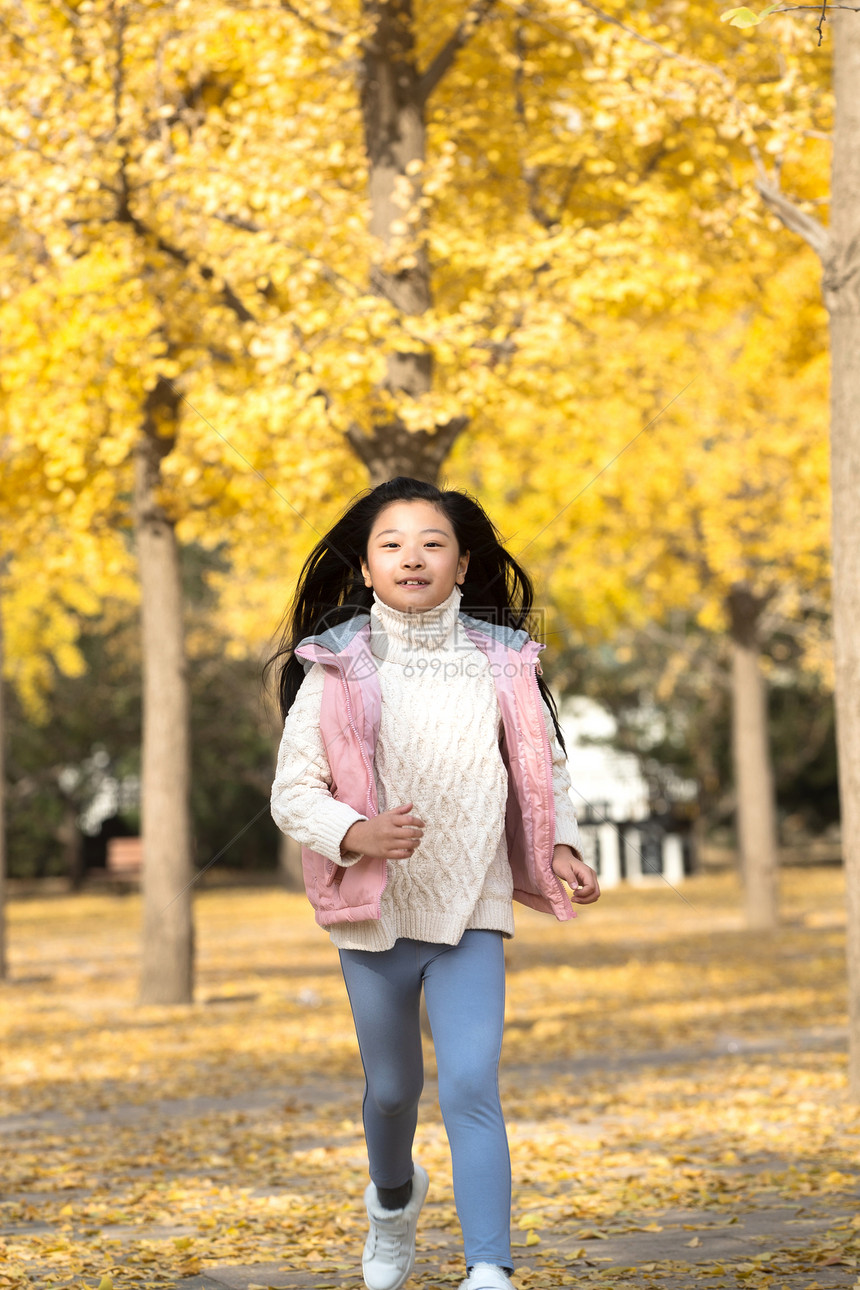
x: 464, y: 986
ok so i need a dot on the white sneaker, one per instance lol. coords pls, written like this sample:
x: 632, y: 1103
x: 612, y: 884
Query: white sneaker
x: 389, y: 1251
x: 487, y: 1276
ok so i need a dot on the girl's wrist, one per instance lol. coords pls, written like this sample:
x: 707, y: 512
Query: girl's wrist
x: 350, y: 843
x: 565, y: 849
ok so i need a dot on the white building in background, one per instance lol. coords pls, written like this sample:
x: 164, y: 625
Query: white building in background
x: 104, y: 794
x: 622, y: 838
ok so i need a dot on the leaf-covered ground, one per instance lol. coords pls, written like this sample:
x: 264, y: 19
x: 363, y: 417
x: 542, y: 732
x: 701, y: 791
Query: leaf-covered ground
x: 675, y: 1092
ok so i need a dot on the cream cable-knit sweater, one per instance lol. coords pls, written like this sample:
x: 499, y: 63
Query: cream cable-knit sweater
x: 438, y: 748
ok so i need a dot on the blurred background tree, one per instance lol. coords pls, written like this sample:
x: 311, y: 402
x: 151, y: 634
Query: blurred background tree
x: 90, y: 734
x: 836, y: 244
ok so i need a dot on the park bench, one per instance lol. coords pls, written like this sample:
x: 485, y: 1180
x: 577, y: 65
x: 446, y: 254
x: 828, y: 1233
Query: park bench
x: 124, y: 859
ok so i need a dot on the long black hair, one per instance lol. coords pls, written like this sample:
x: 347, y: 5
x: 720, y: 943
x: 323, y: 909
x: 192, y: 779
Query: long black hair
x: 331, y: 586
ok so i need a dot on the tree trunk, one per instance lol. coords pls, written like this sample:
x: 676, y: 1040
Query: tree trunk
x: 290, y: 864
x: 4, y: 970
x: 393, y: 101
x: 68, y: 835
x: 168, y: 940
x: 756, y: 811
x: 842, y: 296
x: 839, y: 250
x: 390, y: 449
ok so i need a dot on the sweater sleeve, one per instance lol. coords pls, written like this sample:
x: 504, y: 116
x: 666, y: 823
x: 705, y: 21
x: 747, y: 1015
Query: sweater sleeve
x: 566, y: 827
x: 302, y: 803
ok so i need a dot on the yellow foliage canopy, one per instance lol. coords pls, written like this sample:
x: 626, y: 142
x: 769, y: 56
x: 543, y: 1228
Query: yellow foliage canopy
x: 187, y: 198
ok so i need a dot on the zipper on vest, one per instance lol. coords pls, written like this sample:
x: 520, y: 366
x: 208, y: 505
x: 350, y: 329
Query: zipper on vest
x: 372, y: 810
x: 361, y: 748
x: 546, y: 779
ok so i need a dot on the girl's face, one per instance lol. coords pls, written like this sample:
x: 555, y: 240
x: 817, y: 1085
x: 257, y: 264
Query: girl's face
x: 413, y: 560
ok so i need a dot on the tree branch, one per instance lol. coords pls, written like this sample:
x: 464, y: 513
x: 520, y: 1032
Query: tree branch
x: 351, y: 290
x: 445, y: 58
x: 119, y: 71
x: 322, y: 29
x: 809, y: 228
x: 631, y: 31
x: 228, y: 295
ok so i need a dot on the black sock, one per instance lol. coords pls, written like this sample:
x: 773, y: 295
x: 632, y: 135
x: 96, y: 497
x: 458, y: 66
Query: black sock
x: 395, y: 1197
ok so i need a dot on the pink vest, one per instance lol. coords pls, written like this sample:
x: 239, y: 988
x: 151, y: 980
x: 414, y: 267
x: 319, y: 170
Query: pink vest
x: 349, y: 721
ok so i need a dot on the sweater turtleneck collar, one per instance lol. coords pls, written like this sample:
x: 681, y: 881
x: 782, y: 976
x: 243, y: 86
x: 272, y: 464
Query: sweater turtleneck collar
x: 398, y: 636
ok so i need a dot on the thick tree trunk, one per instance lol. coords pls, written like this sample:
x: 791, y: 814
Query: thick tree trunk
x: 393, y: 100
x: 395, y: 133
x: 390, y: 449
x: 842, y: 296
x: 839, y: 250
x: 3, y: 957
x: 756, y: 812
x: 168, y: 941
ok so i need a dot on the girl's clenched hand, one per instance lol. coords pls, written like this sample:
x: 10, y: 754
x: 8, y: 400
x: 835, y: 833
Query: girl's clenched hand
x: 393, y: 835
x: 569, y: 865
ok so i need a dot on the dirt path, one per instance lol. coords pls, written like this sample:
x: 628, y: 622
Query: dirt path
x: 674, y: 1090
x: 774, y: 1242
